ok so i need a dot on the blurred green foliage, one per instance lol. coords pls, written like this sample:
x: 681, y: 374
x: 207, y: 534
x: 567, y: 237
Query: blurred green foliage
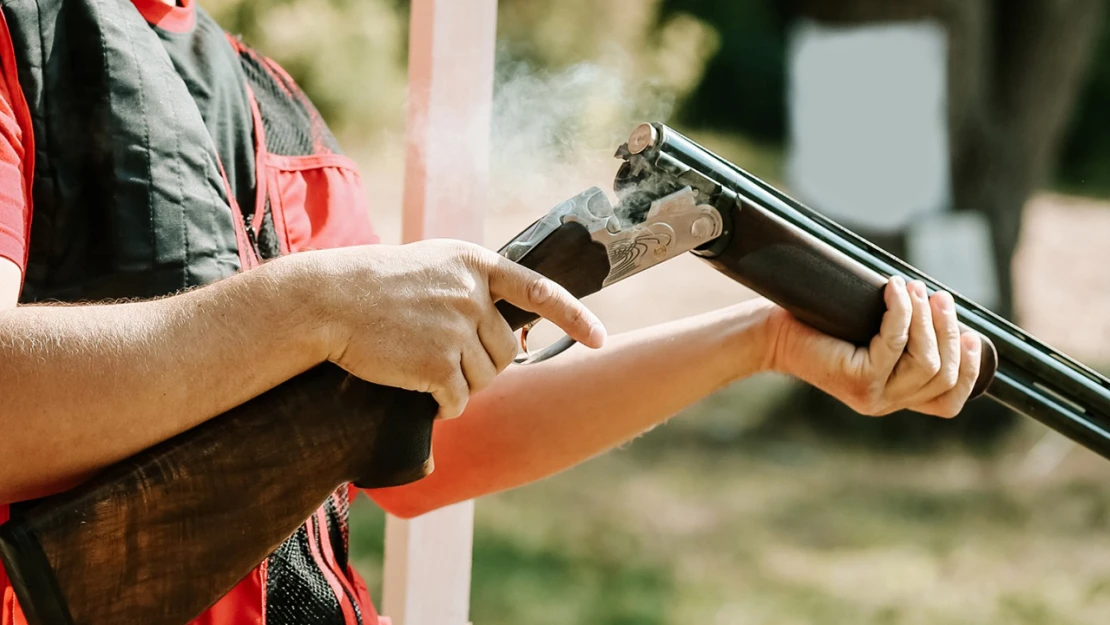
x: 592, y: 570
x: 1085, y: 160
x: 743, y: 89
x: 348, y: 55
x: 724, y: 60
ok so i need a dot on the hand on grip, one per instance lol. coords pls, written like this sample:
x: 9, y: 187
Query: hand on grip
x: 421, y: 317
x: 920, y: 360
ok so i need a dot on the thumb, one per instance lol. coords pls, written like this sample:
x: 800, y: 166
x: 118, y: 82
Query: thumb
x: 810, y: 354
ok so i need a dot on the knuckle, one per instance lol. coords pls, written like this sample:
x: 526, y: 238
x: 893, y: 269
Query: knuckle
x: 469, y: 253
x: 459, y: 389
x: 455, y: 333
x: 455, y: 406
x: 974, y: 368
x: 540, y: 290
x: 868, y: 408
x: 468, y: 299
x: 507, y: 354
x: 866, y: 396
x: 972, y: 361
x: 445, y: 369
x: 898, y: 342
x: 931, y: 365
x: 579, y: 318
x: 950, y: 376
x: 469, y: 283
x: 482, y: 380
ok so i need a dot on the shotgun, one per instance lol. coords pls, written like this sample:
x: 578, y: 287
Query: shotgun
x: 160, y: 537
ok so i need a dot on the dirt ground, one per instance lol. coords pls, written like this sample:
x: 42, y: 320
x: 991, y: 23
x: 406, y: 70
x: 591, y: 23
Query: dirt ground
x: 1063, y: 282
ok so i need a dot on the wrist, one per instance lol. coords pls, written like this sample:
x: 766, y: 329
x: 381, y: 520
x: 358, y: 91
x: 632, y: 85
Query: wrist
x: 752, y: 337
x: 298, y: 285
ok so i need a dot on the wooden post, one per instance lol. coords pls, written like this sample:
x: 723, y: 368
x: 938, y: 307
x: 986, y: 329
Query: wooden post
x: 450, y: 94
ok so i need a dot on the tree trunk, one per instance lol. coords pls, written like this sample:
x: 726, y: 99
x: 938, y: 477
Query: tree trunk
x: 1015, y: 71
x: 1012, y: 105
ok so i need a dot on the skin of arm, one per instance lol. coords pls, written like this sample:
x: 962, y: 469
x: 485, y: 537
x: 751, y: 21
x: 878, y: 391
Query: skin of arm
x: 534, y: 421
x: 86, y: 386
x: 86, y: 380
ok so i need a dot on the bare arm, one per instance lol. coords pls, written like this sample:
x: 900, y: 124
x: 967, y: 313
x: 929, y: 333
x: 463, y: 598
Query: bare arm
x: 85, y: 386
x: 535, y: 421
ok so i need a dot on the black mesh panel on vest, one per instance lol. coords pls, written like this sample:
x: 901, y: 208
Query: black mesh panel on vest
x: 336, y: 511
x: 293, y: 125
x: 268, y: 244
x: 297, y: 593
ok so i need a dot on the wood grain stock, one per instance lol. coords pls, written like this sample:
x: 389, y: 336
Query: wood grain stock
x: 160, y: 537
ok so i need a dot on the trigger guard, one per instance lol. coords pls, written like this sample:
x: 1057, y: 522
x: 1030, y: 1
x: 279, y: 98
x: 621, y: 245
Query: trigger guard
x: 556, y: 348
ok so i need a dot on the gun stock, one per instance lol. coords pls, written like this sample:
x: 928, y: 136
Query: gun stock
x: 160, y: 537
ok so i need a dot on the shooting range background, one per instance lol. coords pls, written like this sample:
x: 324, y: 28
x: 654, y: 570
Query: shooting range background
x: 720, y: 517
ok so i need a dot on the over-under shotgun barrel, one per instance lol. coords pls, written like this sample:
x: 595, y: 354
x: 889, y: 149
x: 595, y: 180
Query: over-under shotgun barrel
x: 1031, y: 377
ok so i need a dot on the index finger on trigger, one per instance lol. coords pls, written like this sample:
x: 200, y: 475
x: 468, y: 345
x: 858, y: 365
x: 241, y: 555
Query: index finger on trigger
x: 533, y: 292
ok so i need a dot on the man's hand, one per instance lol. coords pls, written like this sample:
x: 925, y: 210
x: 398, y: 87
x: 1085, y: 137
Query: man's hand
x: 919, y: 360
x: 422, y: 316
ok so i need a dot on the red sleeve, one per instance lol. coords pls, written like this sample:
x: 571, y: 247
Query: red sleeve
x: 16, y: 165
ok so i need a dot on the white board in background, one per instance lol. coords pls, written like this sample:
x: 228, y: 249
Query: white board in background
x: 955, y: 248
x: 868, y: 141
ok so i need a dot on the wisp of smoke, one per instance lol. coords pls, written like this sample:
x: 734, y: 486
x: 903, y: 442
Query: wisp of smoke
x: 554, y: 132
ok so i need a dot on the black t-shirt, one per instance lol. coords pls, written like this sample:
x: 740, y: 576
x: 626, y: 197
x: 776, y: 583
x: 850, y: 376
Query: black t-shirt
x: 213, y: 74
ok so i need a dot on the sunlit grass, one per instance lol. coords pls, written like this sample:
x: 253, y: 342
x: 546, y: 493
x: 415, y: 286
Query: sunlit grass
x: 687, y: 526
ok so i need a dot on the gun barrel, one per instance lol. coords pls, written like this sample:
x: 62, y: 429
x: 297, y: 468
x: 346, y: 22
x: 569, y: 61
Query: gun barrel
x: 1032, y: 377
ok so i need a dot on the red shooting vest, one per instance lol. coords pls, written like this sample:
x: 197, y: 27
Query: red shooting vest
x: 130, y: 200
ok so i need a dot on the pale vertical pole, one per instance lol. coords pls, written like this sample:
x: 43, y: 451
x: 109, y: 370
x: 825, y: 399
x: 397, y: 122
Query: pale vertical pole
x: 450, y: 93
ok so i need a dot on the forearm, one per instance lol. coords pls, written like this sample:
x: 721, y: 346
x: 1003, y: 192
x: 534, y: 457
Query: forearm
x: 537, y: 420
x: 86, y: 386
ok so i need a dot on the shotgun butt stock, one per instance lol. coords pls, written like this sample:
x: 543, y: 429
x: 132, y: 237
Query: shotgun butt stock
x: 160, y: 537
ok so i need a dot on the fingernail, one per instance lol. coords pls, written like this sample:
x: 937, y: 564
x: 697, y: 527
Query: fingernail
x: 899, y: 282
x: 597, y: 335
x: 944, y: 298
x: 918, y: 288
